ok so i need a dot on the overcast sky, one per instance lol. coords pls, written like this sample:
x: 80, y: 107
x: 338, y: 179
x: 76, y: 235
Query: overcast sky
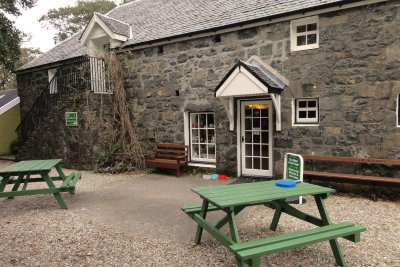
x: 28, y: 22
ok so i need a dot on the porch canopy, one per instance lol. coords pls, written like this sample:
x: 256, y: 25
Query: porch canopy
x: 251, y: 79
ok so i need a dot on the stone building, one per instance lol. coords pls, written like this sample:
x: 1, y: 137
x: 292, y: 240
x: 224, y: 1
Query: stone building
x: 240, y: 82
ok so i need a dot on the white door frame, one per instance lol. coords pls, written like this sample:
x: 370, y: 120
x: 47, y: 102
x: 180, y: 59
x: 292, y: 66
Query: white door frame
x: 240, y: 151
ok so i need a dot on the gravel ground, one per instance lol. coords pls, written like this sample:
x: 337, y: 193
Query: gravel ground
x: 38, y: 233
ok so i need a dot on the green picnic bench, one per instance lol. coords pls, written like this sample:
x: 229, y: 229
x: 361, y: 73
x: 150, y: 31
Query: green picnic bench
x: 32, y: 171
x: 232, y: 199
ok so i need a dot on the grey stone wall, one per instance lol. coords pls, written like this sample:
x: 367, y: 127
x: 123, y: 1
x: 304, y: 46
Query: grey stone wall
x: 355, y: 74
x: 80, y: 147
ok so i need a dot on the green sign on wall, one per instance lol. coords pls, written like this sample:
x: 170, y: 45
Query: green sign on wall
x: 71, y: 118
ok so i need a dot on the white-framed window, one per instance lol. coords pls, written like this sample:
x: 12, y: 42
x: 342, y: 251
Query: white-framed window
x: 398, y: 110
x: 306, y: 111
x: 202, y: 136
x: 304, y: 33
x: 52, y: 81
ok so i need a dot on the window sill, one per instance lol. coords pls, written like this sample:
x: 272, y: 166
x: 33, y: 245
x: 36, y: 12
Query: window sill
x: 297, y: 49
x: 305, y: 124
x: 203, y: 165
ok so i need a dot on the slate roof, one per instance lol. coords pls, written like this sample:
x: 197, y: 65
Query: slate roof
x: 153, y: 20
x: 6, y: 97
x: 116, y: 26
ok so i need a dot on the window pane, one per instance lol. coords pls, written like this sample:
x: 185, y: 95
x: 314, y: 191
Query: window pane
x: 195, y: 136
x: 194, y: 120
x: 247, y: 111
x: 312, y: 39
x: 249, y: 163
x: 264, y: 112
x: 264, y: 124
x: 256, y: 123
x: 247, y: 124
x: 301, y: 40
x: 312, y: 114
x: 312, y: 104
x: 203, y: 151
x: 202, y: 120
x: 265, y: 151
x: 203, y: 136
x: 210, y: 120
x: 256, y: 113
x: 256, y: 150
x: 265, y: 137
x: 248, y: 138
x: 303, y: 114
x: 211, y: 138
x: 256, y: 137
x: 257, y: 163
x: 249, y: 150
x: 195, y: 151
x: 265, y: 163
x: 312, y: 27
x: 211, y: 152
x: 301, y: 28
x: 302, y: 104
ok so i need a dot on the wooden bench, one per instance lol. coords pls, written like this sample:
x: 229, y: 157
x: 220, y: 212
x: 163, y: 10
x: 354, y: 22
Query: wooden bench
x: 168, y: 156
x: 352, y: 178
x: 250, y: 252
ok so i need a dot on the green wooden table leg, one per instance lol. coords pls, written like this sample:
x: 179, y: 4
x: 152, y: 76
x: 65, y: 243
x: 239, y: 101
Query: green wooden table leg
x: 203, y: 214
x: 225, y: 219
x: 26, y: 182
x: 277, y: 216
x: 255, y: 262
x: 233, y: 225
x: 60, y: 172
x: 4, y: 182
x: 57, y: 195
x: 16, y: 185
x: 326, y: 220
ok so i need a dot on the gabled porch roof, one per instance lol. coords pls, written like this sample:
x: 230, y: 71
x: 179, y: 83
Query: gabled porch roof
x: 249, y: 79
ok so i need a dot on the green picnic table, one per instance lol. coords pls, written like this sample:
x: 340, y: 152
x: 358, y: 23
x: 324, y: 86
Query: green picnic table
x: 30, y: 171
x: 232, y: 199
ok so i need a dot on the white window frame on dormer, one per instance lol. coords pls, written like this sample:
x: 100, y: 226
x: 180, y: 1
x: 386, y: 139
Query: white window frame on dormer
x: 294, y: 34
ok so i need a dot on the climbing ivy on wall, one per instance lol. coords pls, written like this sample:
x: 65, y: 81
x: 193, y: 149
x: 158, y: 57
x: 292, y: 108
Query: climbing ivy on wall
x: 122, y: 151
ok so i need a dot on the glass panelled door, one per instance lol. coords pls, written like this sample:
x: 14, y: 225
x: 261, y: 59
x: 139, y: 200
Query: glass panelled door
x: 256, y: 138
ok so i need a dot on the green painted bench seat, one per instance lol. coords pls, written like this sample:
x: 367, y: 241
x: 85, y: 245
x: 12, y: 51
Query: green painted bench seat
x: 71, y: 180
x: 250, y: 252
x: 196, y: 209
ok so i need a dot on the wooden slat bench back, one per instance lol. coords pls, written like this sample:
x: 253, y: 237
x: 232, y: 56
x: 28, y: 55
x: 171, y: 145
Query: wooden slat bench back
x: 168, y: 156
x: 393, y: 162
x: 352, y: 178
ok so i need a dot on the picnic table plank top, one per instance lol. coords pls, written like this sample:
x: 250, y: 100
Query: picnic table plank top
x: 253, y: 193
x: 30, y: 166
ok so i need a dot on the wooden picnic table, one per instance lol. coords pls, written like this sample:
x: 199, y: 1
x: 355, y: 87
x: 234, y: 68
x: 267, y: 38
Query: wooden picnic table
x: 232, y: 199
x: 25, y: 172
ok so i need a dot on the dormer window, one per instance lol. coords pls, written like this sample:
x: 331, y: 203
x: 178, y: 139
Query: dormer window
x: 304, y: 34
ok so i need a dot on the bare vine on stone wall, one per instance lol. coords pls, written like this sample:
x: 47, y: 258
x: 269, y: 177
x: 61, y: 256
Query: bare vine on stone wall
x: 124, y: 151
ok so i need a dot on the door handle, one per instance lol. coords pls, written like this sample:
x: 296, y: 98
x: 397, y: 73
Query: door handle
x: 242, y: 139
